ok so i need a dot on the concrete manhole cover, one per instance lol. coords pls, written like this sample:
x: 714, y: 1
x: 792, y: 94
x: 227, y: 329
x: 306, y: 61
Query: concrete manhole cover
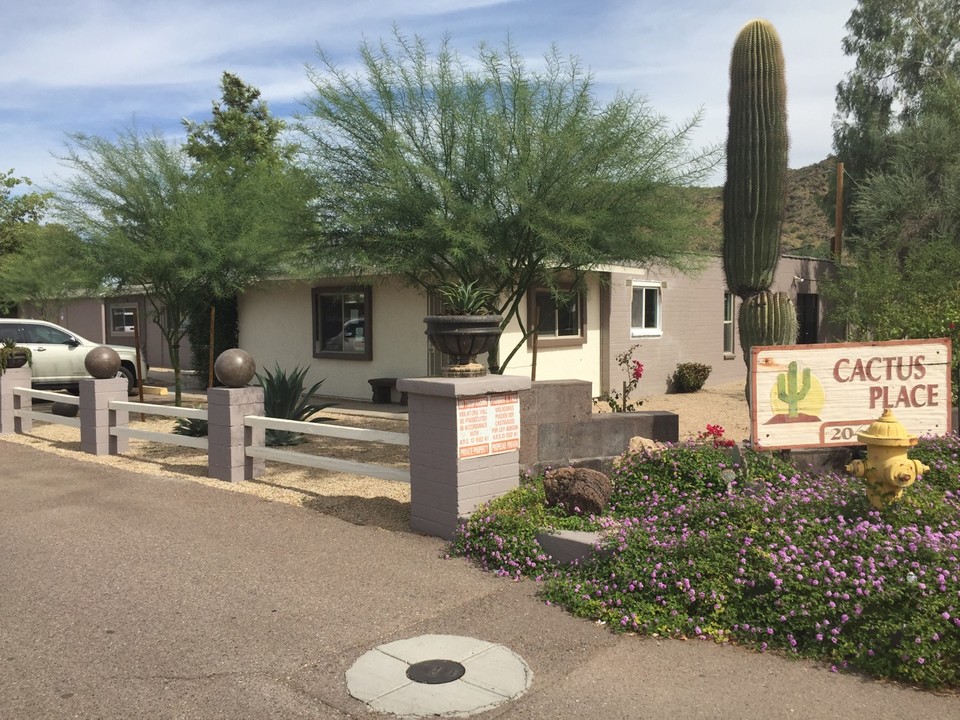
x: 438, y: 675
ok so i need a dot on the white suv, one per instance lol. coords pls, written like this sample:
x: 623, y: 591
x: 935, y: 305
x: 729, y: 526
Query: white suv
x: 58, y: 354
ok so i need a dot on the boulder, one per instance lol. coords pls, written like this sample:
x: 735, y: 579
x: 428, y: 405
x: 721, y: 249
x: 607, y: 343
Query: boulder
x: 64, y: 409
x: 580, y: 491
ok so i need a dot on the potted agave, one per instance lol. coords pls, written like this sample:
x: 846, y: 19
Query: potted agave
x: 468, y: 327
x: 13, y: 356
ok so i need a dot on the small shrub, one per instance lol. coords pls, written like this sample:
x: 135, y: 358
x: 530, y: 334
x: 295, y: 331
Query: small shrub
x: 690, y: 377
x: 284, y: 397
x: 190, y: 427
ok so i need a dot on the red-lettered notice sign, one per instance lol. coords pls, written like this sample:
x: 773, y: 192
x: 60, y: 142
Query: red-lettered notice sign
x: 488, y: 425
x: 821, y: 395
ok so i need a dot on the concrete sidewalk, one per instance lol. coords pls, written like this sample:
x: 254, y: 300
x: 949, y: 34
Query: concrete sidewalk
x: 131, y: 596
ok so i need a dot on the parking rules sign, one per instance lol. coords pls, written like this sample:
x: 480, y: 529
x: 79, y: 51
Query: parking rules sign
x: 823, y: 395
x: 488, y: 424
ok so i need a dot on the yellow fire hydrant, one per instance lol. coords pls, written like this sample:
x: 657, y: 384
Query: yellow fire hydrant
x: 887, y: 470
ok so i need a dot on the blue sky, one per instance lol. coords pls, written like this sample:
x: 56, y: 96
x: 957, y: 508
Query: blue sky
x: 97, y: 66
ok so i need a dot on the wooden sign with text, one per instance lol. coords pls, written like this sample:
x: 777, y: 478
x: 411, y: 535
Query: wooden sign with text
x: 822, y: 395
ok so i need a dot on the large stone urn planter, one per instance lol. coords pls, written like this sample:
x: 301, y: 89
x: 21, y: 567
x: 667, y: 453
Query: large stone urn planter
x: 463, y: 337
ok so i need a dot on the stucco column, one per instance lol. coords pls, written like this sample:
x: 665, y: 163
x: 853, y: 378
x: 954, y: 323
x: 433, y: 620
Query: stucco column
x: 464, y: 446
x: 96, y: 417
x: 227, y: 436
x: 10, y: 379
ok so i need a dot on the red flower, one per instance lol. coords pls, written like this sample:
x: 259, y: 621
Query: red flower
x: 637, y: 369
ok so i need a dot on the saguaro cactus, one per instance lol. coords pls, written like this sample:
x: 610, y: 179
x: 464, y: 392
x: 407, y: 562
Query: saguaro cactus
x: 788, y: 390
x: 753, y: 195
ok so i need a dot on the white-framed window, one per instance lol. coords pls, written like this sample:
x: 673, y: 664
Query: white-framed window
x: 122, y: 319
x: 645, y: 310
x: 729, y: 336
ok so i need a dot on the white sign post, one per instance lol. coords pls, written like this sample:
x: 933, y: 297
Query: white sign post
x: 822, y: 395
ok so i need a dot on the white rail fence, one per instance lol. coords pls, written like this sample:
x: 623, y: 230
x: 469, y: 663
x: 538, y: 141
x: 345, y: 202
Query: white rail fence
x: 47, y: 417
x: 384, y: 472
x: 293, y: 457
x: 200, y: 443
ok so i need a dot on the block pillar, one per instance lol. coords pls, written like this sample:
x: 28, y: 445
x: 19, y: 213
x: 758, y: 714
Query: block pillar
x: 464, y: 446
x: 96, y: 417
x: 228, y: 438
x: 14, y: 378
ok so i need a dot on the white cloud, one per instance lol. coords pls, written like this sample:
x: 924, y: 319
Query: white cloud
x: 94, y: 65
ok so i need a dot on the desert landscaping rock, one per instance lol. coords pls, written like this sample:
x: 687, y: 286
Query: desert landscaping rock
x: 578, y: 490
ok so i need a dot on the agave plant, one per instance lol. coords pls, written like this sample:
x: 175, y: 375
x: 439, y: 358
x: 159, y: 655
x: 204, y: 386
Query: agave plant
x: 460, y: 298
x: 284, y: 397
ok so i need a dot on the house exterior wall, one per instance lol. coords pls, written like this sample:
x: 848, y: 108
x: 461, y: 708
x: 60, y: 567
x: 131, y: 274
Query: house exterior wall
x: 692, y: 308
x: 91, y: 318
x: 276, y: 326
x: 581, y: 362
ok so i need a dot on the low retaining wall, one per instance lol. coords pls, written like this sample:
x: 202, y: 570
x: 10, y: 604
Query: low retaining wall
x: 560, y: 427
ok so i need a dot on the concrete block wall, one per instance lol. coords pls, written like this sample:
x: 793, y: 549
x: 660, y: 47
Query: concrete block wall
x: 560, y: 427
x: 443, y: 486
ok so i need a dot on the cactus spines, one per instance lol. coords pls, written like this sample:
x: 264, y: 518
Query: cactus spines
x: 788, y: 390
x: 757, y: 144
x: 767, y: 318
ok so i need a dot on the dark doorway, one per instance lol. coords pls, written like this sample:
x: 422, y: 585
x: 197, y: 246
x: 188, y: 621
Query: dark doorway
x: 808, y: 314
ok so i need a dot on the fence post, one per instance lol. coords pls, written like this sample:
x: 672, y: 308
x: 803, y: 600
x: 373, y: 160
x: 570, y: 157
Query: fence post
x: 228, y: 438
x: 464, y: 446
x: 10, y: 379
x: 97, y: 419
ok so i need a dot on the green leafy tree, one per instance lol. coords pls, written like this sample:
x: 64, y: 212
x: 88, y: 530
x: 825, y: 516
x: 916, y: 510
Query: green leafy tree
x: 900, y: 279
x: 152, y: 224
x: 17, y: 211
x: 48, y: 269
x: 905, y: 51
x: 439, y: 169
x: 241, y: 141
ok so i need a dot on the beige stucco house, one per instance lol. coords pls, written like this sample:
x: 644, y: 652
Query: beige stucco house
x: 347, y: 332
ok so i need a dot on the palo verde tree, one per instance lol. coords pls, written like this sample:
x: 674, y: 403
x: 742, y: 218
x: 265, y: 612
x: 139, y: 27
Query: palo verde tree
x: 755, y: 190
x: 240, y: 143
x: 436, y: 168
x: 152, y: 224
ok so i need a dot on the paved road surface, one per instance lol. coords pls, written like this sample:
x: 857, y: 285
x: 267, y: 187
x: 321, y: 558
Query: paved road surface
x: 129, y: 596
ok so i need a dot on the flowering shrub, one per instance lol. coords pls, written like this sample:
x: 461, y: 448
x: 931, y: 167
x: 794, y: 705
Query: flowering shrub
x: 619, y: 402
x: 776, y: 558
x: 714, y: 434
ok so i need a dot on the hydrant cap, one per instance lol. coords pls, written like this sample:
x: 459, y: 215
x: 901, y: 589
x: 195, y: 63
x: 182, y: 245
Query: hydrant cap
x: 887, y: 430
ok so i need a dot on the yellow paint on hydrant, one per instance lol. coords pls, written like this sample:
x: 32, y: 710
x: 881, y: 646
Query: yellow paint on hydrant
x: 887, y: 470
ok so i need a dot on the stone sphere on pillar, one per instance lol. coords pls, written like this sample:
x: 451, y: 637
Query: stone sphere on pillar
x: 102, y: 362
x: 235, y: 368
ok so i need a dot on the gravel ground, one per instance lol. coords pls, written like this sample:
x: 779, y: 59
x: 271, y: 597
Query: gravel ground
x: 357, y: 499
